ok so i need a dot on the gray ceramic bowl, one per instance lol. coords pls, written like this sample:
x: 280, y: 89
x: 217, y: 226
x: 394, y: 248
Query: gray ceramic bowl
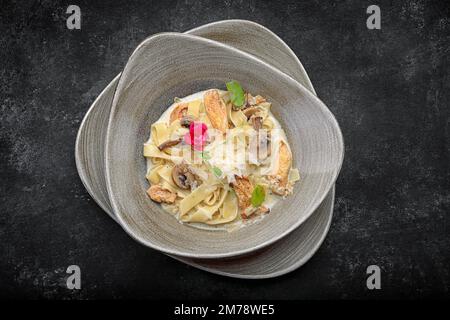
x: 168, y: 65
x: 281, y: 257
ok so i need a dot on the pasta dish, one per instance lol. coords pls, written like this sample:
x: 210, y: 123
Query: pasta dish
x: 219, y: 159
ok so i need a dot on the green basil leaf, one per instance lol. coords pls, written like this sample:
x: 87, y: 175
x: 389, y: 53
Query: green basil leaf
x: 217, y: 172
x: 237, y: 93
x: 258, y: 196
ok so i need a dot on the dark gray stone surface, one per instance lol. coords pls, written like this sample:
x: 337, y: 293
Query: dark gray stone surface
x: 389, y: 89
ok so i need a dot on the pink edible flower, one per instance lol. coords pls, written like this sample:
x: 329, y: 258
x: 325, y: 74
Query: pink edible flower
x: 197, y: 135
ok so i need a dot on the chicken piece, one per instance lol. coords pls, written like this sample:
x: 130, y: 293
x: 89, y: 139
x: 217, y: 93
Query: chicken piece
x: 216, y: 110
x: 284, y: 162
x: 179, y: 111
x: 243, y: 188
x: 280, y: 179
x: 158, y: 194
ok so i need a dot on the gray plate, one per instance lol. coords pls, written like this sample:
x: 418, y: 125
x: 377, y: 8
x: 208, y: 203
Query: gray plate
x: 279, y: 258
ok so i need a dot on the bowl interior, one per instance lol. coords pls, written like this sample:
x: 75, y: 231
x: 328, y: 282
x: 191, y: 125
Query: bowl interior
x: 174, y: 65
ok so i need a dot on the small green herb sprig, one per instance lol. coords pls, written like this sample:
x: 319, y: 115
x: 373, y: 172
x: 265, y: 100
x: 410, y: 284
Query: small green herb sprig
x: 258, y: 196
x: 215, y: 170
x: 237, y: 95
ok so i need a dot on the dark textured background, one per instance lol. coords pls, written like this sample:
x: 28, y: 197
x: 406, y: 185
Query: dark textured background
x: 388, y: 88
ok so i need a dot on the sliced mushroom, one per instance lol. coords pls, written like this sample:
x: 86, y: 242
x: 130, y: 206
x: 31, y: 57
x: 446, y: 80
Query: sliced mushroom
x: 249, y: 100
x: 169, y: 143
x: 264, y: 145
x: 256, y: 122
x: 184, y: 178
x: 249, y: 112
x: 179, y: 111
x: 259, y: 146
x: 186, y: 120
x: 253, y: 101
x: 158, y: 194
